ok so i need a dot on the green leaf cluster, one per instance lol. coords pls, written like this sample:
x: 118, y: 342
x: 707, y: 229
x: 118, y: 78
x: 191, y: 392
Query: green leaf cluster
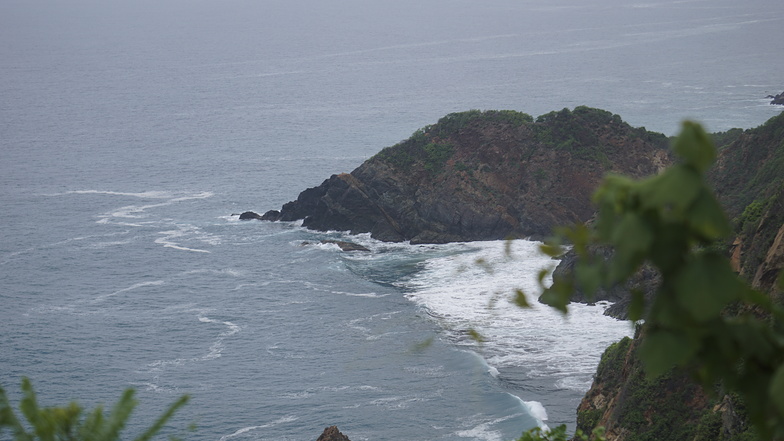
x: 559, y: 434
x: 71, y: 423
x: 670, y: 221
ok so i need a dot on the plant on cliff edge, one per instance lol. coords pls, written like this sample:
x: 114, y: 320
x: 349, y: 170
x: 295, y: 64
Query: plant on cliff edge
x: 67, y: 423
x: 670, y: 221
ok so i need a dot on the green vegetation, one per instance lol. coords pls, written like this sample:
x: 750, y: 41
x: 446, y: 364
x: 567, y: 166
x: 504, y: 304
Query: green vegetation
x: 559, y: 434
x: 670, y: 221
x: 751, y: 169
x: 69, y: 423
x: 430, y: 147
x: 612, y: 362
x: 576, y: 132
x: 723, y: 139
x: 436, y: 156
x: 454, y: 122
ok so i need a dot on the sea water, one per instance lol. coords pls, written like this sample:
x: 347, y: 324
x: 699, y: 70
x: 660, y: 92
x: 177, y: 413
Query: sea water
x: 131, y: 133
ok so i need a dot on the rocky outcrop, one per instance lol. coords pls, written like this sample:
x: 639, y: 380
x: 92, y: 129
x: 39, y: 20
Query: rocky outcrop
x: 778, y: 99
x: 249, y: 215
x: 481, y: 176
x: 646, y: 281
x: 332, y: 433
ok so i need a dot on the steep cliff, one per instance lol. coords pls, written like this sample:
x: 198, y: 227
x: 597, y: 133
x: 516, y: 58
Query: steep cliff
x: 481, y: 176
x: 749, y: 181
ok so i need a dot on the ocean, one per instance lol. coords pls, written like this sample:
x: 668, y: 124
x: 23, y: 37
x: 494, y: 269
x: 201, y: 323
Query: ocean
x: 132, y: 133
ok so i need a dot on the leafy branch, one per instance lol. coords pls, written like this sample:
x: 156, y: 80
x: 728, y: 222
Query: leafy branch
x: 67, y: 423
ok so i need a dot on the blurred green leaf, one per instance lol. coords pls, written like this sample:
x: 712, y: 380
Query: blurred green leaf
x: 695, y: 147
x: 706, y: 285
x: 674, y: 190
x: 551, y: 249
x: 636, y: 305
x: 662, y: 350
x: 707, y: 217
x: 475, y: 335
x: 558, y: 294
x: 776, y: 392
x: 520, y: 299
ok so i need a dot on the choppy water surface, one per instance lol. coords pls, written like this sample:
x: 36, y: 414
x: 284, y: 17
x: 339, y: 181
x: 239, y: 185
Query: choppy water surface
x: 132, y: 131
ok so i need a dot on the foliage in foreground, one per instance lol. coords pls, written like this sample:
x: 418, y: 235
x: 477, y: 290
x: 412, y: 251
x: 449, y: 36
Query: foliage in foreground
x: 559, y: 434
x: 69, y: 423
x: 670, y: 221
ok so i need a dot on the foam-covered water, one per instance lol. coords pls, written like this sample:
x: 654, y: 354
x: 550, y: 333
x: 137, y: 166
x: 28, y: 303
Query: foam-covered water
x: 131, y: 132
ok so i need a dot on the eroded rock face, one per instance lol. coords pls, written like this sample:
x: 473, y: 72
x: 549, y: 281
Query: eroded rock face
x: 482, y: 176
x: 332, y: 433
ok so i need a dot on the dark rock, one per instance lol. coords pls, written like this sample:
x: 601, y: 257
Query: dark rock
x: 271, y: 215
x: 778, y: 99
x: 482, y: 176
x: 646, y: 280
x: 332, y: 433
x: 346, y: 246
x: 248, y: 215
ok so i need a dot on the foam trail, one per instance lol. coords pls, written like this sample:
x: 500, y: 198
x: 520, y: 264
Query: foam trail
x: 130, y: 288
x: 10, y: 256
x: 239, y: 432
x: 142, y: 195
x: 167, y: 241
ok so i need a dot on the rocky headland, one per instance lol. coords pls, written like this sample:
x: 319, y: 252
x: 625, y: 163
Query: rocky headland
x: 498, y: 174
x: 481, y: 176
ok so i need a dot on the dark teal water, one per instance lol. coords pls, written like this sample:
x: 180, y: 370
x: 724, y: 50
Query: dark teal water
x: 130, y: 132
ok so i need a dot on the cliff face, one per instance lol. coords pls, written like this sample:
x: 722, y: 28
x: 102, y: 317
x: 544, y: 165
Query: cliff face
x: 482, y: 176
x: 629, y: 406
x: 749, y: 182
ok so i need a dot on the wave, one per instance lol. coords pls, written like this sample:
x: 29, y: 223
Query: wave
x: 475, y: 291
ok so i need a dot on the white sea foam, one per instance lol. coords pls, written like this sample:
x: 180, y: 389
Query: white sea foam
x: 183, y: 231
x: 103, y: 297
x: 475, y: 291
x: 139, y: 211
x: 143, y: 195
x: 536, y: 409
x: 287, y: 419
x: 370, y: 295
x: 483, y: 432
